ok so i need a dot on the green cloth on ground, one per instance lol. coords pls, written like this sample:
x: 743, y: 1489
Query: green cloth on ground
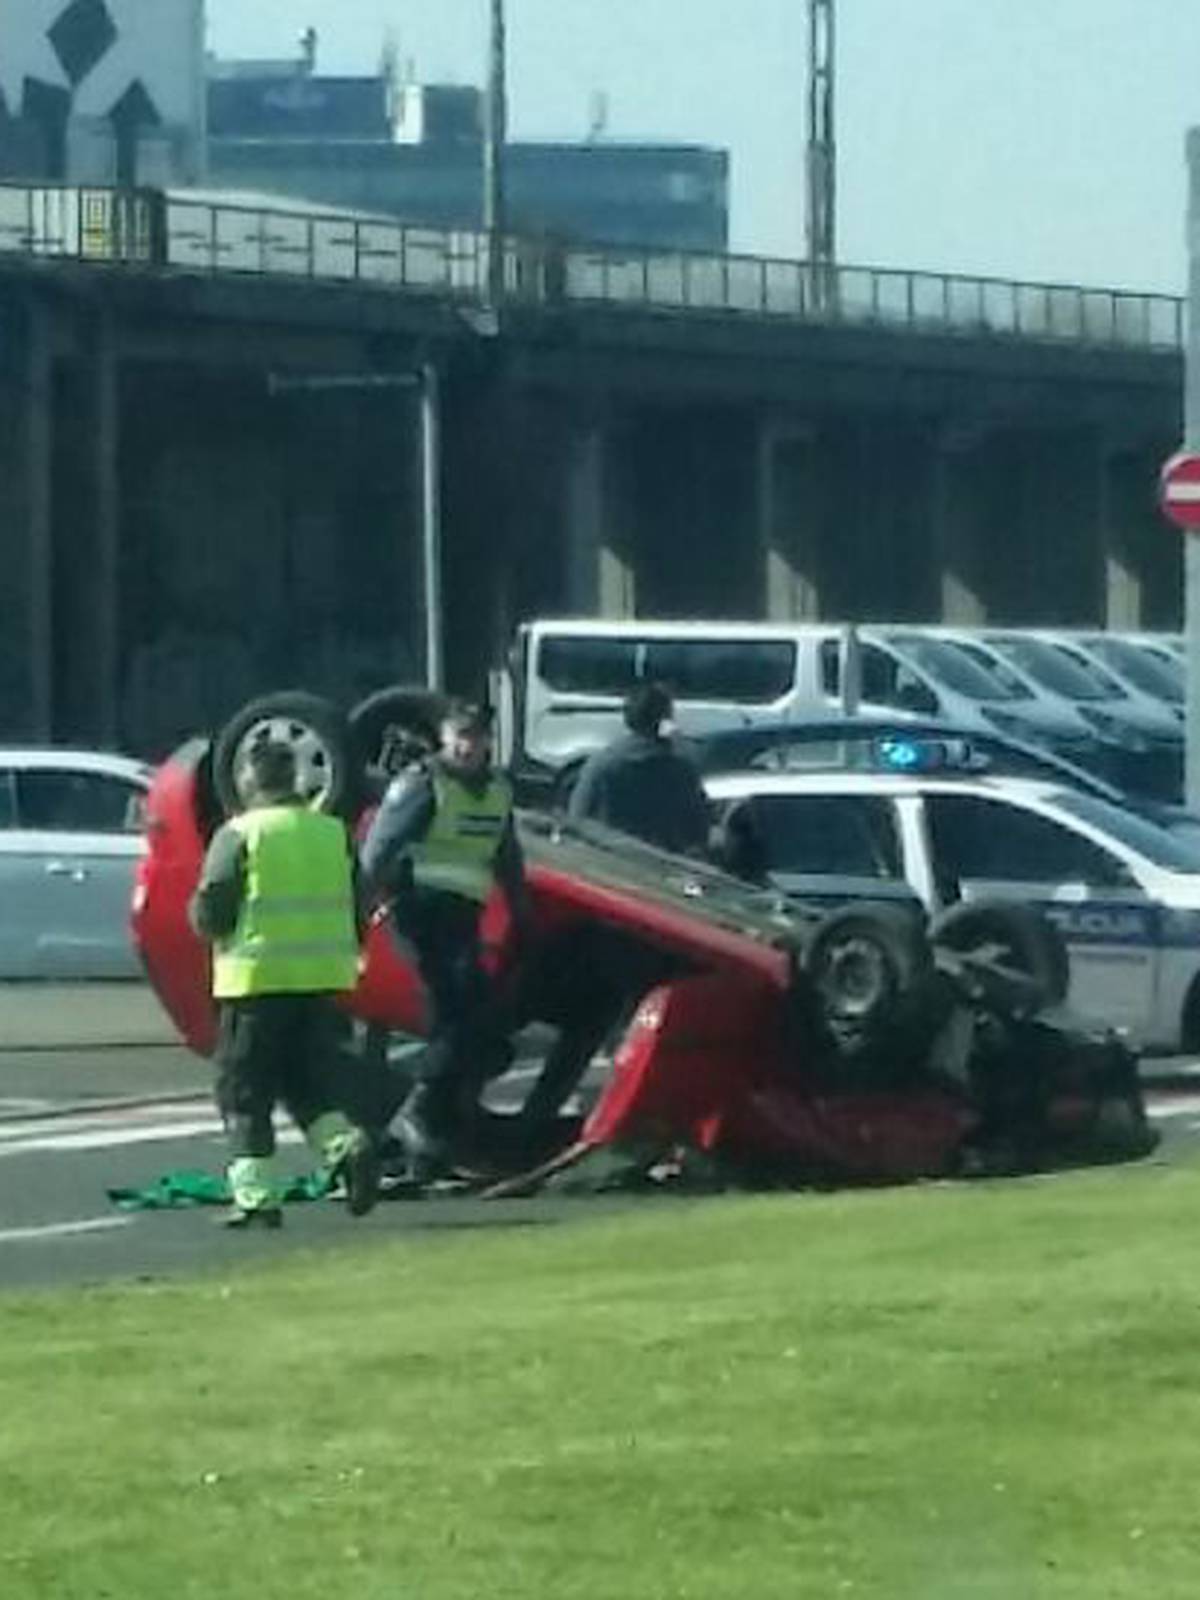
x: 181, y: 1190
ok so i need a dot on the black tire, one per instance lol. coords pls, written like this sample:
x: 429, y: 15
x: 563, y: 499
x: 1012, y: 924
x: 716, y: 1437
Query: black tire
x: 862, y: 960
x: 414, y: 712
x: 196, y: 757
x: 1029, y: 943
x: 316, y: 730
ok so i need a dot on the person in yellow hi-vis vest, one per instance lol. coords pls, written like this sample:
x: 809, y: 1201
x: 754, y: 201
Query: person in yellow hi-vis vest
x: 442, y: 839
x: 277, y: 902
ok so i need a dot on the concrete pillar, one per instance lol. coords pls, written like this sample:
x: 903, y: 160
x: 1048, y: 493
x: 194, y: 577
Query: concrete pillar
x: 1055, y: 575
x: 84, y: 535
x: 1122, y: 580
x: 600, y: 578
x: 956, y: 517
x: 105, y: 403
x: 788, y: 521
x: 36, y: 474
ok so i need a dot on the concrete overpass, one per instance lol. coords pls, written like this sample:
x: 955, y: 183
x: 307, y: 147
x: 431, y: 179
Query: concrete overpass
x: 630, y: 432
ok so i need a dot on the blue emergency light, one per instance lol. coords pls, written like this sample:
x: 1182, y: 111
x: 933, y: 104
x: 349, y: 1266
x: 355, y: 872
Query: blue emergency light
x: 900, y: 753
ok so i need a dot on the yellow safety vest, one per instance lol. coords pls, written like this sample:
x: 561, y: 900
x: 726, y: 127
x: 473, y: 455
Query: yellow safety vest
x: 296, y: 931
x: 459, y: 851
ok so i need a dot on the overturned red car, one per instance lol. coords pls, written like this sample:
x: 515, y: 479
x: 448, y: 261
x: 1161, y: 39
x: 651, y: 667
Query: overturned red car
x: 786, y: 1043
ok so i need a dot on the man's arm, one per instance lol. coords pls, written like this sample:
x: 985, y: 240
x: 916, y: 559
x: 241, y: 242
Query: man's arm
x: 217, y: 902
x: 402, y: 820
x: 698, y: 812
x: 588, y: 796
x: 509, y: 867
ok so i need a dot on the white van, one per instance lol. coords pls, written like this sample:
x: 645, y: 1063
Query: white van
x: 560, y: 697
x: 562, y: 693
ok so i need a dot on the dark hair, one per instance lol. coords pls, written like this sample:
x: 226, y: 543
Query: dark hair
x: 647, y: 707
x: 273, y: 768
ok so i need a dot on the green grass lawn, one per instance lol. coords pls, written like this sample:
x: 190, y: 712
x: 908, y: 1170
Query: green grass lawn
x: 989, y: 1390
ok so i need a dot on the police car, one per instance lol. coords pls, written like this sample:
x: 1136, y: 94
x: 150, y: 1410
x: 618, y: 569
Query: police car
x: 925, y: 825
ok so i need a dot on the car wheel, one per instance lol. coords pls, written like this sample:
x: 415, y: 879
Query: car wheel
x: 1018, y: 938
x: 397, y: 725
x: 316, y: 731
x: 861, y: 960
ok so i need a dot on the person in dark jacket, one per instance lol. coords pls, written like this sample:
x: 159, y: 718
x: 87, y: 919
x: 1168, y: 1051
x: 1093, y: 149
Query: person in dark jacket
x: 642, y: 784
x: 442, y: 839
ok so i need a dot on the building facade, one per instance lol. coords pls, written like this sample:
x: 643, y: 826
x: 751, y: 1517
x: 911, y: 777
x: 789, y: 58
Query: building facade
x: 415, y: 151
x: 121, y: 91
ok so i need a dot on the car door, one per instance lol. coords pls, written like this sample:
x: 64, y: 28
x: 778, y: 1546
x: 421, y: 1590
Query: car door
x: 23, y: 888
x: 822, y: 849
x: 81, y: 833
x: 990, y: 848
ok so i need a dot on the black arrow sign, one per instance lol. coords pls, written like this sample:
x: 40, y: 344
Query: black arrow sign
x: 47, y: 107
x: 134, y: 111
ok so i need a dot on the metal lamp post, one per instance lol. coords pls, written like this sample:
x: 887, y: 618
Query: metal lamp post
x: 495, y: 135
x: 821, y: 165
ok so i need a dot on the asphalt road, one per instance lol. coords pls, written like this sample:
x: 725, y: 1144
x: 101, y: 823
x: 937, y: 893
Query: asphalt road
x: 57, y: 1226
x: 93, y: 1096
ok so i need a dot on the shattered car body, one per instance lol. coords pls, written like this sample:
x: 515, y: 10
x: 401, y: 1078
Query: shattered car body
x: 736, y: 1025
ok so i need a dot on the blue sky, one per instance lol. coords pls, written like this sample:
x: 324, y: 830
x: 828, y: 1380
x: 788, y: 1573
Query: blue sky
x: 1022, y: 138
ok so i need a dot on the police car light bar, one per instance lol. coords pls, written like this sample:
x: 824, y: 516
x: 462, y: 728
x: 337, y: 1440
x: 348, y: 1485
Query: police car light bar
x: 897, y: 753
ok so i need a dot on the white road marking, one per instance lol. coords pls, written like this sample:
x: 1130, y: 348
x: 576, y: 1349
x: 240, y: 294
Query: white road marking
x: 148, y: 1115
x: 195, y: 1119
x: 62, y: 1230
x: 106, y: 1138
x: 99, y: 1132
x: 1184, y: 1105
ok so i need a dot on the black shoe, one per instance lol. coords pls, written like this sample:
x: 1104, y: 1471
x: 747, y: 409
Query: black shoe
x: 269, y: 1217
x: 359, y: 1171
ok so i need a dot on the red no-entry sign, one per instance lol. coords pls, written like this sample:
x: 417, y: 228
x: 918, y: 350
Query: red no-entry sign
x: 1179, y: 491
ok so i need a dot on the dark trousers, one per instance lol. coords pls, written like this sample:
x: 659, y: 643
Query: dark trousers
x: 275, y: 1049
x: 468, y: 1037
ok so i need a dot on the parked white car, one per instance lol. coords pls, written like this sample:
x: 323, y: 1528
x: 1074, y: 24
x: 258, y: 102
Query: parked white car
x: 71, y: 834
x: 1124, y: 892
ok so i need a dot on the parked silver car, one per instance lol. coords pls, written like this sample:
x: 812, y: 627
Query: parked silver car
x: 1139, y: 666
x: 71, y: 834
x: 978, y: 687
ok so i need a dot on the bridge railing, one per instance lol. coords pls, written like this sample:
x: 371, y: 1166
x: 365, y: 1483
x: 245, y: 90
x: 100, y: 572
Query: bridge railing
x: 117, y: 226
x: 873, y: 297
x: 214, y: 238
x: 202, y: 235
